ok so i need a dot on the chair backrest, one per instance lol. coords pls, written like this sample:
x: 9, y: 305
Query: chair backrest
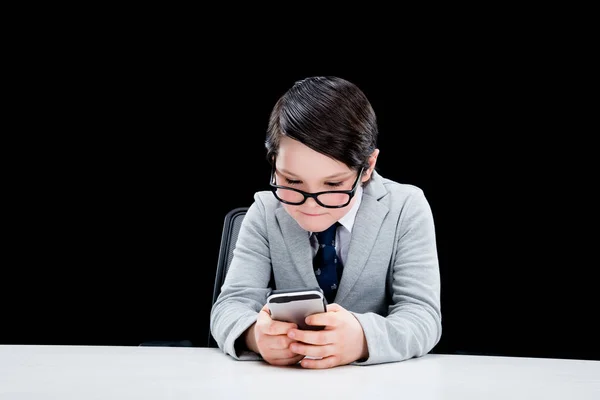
x: 231, y: 227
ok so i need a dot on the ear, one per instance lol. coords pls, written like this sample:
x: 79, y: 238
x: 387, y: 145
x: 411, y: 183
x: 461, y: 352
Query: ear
x: 372, y: 163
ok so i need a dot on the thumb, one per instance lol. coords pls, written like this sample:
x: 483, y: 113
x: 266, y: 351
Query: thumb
x: 334, y: 307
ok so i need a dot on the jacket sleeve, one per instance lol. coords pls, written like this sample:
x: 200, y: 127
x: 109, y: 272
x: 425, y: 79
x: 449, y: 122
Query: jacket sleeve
x: 245, y: 288
x: 413, y: 324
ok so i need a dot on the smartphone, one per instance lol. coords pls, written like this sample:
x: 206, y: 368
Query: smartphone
x: 294, y: 305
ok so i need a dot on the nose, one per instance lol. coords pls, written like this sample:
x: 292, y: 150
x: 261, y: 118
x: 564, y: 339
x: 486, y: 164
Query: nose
x: 311, y: 202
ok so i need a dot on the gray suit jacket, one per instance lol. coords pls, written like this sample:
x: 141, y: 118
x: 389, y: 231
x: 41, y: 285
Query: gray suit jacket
x: 390, y: 282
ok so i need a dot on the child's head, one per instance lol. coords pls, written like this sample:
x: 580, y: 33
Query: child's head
x: 322, y: 133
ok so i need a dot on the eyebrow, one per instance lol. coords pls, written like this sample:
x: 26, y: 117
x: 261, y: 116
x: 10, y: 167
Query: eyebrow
x: 330, y: 177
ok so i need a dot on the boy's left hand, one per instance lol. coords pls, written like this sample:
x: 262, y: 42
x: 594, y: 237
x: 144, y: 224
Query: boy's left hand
x: 341, y: 342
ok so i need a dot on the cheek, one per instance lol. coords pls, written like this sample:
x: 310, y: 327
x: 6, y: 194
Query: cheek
x: 290, y: 209
x: 337, y: 213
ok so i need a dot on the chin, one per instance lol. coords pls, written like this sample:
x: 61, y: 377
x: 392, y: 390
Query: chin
x: 311, y: 224
x: 316, y: 222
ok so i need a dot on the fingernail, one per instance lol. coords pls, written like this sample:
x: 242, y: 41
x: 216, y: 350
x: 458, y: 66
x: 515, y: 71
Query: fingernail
x: 291, y: 334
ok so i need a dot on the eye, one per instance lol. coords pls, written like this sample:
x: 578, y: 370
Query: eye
x: 292, y: 182
x: 334, y: 184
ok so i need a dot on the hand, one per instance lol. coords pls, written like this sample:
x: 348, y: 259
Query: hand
x: 269, y: 338
x: 341, y: 342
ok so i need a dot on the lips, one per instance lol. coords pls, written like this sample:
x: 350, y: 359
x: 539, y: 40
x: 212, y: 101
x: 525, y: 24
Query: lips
x: 311, y: 215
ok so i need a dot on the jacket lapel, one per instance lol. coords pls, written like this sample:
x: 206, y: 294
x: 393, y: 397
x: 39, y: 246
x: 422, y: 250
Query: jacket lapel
x: 297, y: 242
x: 365, y: 230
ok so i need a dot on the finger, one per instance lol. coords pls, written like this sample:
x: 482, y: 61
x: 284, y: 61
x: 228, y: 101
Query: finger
x: 321, y: 337
x: 286, y: 361
x: 329, y: 318
x: 269, y: 326
x: 326, y: 362
x: 312, y: 350
x: 334, y: 307
x: 264, y: 314
x: 274, y: 328
x: 282, y: 354
x: 278, y: 342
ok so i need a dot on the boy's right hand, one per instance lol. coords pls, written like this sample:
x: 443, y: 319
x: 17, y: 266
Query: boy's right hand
x: 269, y: 338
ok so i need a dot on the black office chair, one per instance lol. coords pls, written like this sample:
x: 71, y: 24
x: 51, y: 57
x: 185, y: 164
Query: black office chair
x: 231, y: 228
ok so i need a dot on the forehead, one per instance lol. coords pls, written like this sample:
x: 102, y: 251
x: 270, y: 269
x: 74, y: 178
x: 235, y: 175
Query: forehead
x: 297, y: 158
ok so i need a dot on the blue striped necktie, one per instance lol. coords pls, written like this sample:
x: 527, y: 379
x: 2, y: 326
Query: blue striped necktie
x: 328, y: 268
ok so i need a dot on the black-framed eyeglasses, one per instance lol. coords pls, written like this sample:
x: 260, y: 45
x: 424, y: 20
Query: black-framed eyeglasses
x: 328, y: 199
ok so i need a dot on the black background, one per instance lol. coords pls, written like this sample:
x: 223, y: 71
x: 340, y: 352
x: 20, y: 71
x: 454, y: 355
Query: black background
x: 127, y: 164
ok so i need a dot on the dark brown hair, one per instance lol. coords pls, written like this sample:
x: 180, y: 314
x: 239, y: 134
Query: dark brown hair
x: 328, y: 114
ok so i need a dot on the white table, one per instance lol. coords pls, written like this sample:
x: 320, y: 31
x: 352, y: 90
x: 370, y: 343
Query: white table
x: 82, y: 372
